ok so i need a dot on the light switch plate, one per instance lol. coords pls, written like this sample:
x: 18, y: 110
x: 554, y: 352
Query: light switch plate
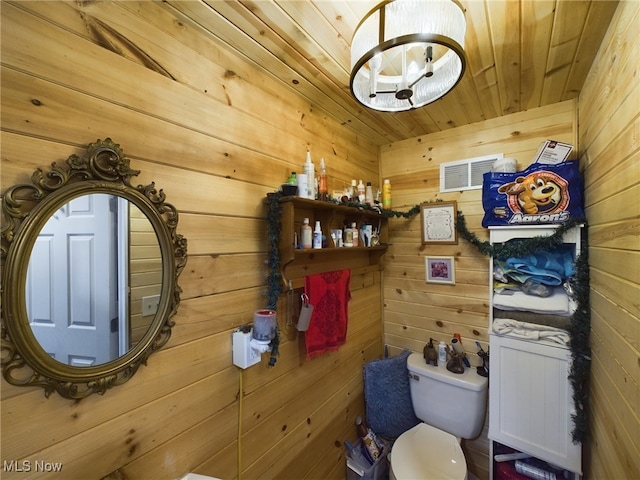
x: 150, y: 305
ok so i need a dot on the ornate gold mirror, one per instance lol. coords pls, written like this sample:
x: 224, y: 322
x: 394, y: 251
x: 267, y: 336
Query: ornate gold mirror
x: 90, y: 274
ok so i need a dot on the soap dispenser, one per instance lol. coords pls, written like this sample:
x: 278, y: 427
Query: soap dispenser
x: 442, y: 353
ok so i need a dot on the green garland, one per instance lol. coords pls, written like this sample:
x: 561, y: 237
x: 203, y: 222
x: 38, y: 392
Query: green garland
x: 520, y: 248
x: 274, y: 277
x: 384, y: 212
x: 580, y: 331
x: 580, y: 326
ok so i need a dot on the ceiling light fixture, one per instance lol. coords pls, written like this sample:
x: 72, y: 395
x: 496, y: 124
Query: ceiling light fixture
x: 407, y: 53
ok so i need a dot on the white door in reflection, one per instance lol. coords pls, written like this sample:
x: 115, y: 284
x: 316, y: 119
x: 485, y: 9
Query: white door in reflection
x: 72, y: 283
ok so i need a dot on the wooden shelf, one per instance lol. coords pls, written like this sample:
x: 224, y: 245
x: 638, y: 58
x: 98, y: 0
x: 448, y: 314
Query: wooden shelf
x: 296, y: 263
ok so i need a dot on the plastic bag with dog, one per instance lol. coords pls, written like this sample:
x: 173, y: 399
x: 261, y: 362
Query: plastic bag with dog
x: 541, y: 194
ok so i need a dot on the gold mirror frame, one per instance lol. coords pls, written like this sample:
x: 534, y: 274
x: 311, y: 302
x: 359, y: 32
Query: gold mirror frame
x: 26, y: 208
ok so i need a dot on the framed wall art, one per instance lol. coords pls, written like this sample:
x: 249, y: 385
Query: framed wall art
x: 440, y: 270
x: 438, y: 222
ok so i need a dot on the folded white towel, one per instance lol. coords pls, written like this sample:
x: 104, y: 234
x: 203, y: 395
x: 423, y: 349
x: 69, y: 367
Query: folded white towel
x: 529, y: 331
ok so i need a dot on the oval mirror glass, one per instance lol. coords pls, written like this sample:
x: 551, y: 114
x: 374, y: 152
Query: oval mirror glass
x: 94, y: 280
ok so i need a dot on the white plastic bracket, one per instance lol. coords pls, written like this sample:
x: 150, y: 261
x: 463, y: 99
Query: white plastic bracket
x: 246, y: 350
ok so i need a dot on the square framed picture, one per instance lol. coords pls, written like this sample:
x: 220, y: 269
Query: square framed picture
x: 440, y: 270
x: 438, y: 222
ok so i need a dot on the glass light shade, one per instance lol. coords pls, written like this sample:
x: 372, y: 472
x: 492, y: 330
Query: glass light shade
x: 407, y: 53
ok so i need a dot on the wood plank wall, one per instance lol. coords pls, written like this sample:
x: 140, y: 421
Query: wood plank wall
x: 189, y: 121
x: 145, y: 270
x: 609, y: 125
x: 415, y: 311
x: 217, y: 135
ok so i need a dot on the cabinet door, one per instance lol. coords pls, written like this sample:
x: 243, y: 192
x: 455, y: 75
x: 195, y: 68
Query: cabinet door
x: 530, y: 400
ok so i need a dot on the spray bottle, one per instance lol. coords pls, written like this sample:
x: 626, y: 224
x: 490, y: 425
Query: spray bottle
x: 322, y: 182
x: 317, y: 236
x: 361, y: 192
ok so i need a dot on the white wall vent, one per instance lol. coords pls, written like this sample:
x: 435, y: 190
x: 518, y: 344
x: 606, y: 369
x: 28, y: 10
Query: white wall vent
x: 465, y: 174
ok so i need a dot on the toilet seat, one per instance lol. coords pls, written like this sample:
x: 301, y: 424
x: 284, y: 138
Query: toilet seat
x: 426, y: 452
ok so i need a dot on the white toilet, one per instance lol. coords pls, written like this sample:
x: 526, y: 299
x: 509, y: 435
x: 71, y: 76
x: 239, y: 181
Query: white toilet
x: 452, y: 406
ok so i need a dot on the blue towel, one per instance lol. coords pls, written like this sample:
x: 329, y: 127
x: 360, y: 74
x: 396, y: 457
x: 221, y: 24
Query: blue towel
x: 388, y: 397
x: 548, y: 268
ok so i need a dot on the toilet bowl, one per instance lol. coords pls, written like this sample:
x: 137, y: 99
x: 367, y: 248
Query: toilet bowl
x: 451, y: 406
x: 427, y: 452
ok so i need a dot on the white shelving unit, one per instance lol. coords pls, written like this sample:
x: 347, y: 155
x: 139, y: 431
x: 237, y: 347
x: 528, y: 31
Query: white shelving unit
x: 530, y: 395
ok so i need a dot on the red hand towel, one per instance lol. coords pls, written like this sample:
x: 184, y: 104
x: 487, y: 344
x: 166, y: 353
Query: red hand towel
x: 329, y: 294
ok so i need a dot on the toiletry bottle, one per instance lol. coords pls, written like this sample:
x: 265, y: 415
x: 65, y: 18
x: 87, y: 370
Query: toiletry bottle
x: 534, y: 471
x: 354, y: 234
x: 354, y: 191
x: 361, y: 191
x: 306, y: 234
x: 348, y: 237
x: 309, y: 171
x: 302, y: 185
x: 386, y: 194
x: 322, y: 182
x: 361, y: 428
x: 317, y: 236
x: 368, y: 439
x: 368, y: 194
x: 292, y: 179
x: 442, y: 353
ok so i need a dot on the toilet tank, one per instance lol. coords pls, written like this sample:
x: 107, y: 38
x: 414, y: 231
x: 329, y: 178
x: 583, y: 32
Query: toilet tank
x: 455, y: 403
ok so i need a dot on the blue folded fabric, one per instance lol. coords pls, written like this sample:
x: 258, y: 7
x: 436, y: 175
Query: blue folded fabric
x: 548, y: 268
x: 387, y: 396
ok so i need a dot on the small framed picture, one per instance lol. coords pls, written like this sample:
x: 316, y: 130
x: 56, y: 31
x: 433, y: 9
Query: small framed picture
x: 439, y: 223
x: 440, y: 270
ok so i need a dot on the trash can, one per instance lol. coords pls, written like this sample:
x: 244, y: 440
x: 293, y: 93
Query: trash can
x: 378, y: 471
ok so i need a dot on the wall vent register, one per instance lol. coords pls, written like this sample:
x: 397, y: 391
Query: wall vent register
x: 465, y: 174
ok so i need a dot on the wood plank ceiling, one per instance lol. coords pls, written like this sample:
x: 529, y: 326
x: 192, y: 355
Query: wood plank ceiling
x: 521, y: 54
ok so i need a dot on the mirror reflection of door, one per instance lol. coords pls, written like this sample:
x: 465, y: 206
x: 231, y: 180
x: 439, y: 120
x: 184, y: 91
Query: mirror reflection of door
x: 73, y: 290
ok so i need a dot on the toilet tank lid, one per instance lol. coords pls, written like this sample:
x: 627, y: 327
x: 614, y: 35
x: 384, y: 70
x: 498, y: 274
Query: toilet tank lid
x: 469, y: 379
